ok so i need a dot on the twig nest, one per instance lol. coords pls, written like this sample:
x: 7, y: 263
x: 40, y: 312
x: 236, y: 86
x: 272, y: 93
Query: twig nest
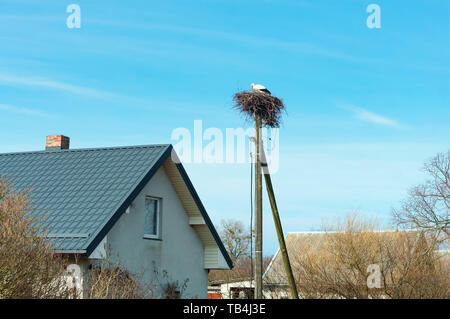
x: 268, y: 107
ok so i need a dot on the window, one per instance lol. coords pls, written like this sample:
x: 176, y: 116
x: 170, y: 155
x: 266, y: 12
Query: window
x: 152, y: 218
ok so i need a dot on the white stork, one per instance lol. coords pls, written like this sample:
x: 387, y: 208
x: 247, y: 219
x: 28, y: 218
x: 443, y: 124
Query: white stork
x: 260, y: 88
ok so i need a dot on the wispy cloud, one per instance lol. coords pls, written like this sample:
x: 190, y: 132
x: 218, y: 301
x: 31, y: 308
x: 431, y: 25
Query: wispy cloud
x: 9, y: 79
x: 246, y: 39
x: 21, y: 110
x: 368, y: 116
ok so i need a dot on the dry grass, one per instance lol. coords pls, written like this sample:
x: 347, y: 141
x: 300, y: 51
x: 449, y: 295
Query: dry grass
x: 268, y: 108
x: 335, y: 264
x: 110, y: 281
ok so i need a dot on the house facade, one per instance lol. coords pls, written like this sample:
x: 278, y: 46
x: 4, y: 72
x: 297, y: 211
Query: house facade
x: 132, y: 204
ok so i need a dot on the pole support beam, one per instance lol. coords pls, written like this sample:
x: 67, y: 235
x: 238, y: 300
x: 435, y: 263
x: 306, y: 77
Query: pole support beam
x: 279, y: 228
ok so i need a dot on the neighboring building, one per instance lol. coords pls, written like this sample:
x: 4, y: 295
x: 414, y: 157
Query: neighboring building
x: 235, y: 284
x: 133, y: 202
x: 233, y: 289
x: 245, y: 289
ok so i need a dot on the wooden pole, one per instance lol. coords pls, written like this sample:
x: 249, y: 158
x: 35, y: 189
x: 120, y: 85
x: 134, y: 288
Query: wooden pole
x: 279, y: 228
x: 258, y: 212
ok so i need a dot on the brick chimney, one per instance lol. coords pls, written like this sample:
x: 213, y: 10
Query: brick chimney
x: 57, y: 142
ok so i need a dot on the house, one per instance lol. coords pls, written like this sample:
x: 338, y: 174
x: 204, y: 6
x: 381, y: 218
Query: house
x: 134, y: 203
x: 236, y: 284
x: 245, y: 289
x: 231, y: 289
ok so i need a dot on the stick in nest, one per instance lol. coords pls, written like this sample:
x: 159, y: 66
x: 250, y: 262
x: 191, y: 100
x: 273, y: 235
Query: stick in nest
x: 269, y: 108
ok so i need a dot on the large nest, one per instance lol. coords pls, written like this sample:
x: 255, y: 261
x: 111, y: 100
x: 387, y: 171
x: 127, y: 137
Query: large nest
x: 269, y: 108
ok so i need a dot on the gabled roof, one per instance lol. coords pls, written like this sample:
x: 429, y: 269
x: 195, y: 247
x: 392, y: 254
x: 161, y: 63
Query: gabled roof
x: 83, y: 192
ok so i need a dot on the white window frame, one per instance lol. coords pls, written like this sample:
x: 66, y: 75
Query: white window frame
x: 158, y: 218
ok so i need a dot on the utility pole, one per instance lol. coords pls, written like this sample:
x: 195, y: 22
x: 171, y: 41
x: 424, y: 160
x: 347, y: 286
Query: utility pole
x: 265, y: 109
x: 258, y: 212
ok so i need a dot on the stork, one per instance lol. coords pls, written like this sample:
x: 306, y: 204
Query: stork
x: 260, y: 88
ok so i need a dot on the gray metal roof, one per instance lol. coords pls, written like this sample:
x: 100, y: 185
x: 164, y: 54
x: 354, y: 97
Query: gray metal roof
x: 81, y: 192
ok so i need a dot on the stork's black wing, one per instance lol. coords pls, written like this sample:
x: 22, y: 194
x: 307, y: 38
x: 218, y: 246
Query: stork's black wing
x: 265, y: 91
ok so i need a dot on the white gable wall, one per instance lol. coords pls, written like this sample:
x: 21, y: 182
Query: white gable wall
x: 180, y: 252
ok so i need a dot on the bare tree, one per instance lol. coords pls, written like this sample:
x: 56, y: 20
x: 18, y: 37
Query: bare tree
x: 236, y: 238
x: 29, y: 268
x: 427, y: 207
x: 336, y: 263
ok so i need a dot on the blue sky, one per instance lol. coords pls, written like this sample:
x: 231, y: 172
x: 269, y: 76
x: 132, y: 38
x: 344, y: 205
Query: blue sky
x: 365, y: 107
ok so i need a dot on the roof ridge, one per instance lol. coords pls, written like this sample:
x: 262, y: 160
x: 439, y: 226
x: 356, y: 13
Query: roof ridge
x: 87, y: 149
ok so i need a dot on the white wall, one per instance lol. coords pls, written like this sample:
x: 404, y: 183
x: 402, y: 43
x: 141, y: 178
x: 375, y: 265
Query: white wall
x: 180, y: 252
x: 225, y: 289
